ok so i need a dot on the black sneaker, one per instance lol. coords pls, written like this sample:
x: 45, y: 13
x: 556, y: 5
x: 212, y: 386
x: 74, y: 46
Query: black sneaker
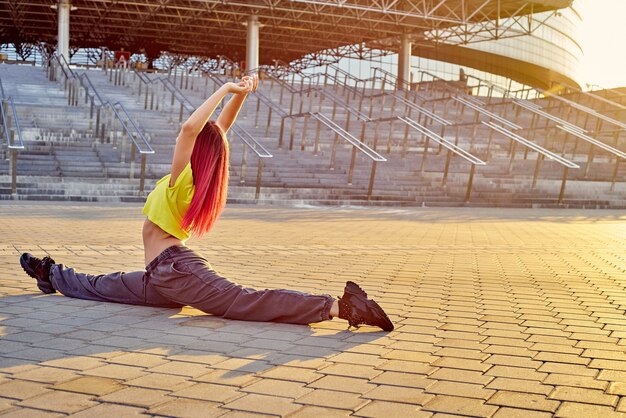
x: 357, y: 309
x: 38, y: 269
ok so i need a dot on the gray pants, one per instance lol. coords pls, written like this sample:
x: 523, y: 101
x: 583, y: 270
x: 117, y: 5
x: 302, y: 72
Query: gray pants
x: 179, y: 276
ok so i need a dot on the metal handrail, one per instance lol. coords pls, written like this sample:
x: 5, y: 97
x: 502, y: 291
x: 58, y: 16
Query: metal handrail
x: 584, y: 109
x: 535, y: 108
x: 531, y: 145
x: 7, y: 130
x: 134, y: 125
x: 452, y: 148
x: 581, y: 134
x: 486, y: 112
x: 373, y: 155
x: 18, y: 129
x: 340, y: 133
x: 9, y: 135
x: 567, y: 164
x: 442, y: 141
x: 117, y: 110
x: 249, y: 140
x: 450, y: 87
x: 394, y: 77
x: 396, y: 95
x: 85, y: 78
x: 594, y: 96
x: 168, y: 84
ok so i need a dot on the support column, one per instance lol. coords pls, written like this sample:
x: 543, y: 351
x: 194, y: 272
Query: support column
x: 63, y: 35
x: 252, y: 43
x: 404, y: 62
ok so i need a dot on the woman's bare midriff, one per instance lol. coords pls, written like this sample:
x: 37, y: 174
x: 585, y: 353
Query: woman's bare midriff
x: 155, y: 240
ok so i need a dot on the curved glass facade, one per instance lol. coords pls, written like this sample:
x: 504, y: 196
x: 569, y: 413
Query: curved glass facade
x: 552, y: 45
x: 549, y: 55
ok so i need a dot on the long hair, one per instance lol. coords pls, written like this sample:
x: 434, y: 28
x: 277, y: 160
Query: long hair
x: 209, y: 164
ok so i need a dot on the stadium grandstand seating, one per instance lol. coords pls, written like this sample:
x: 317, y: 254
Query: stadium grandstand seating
x: 321, y: 137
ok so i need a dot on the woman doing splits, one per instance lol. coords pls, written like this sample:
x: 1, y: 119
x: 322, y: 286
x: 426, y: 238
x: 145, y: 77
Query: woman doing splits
x: 188, y: 201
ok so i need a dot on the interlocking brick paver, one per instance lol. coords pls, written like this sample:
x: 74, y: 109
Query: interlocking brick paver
x: 110, y: 410
x: 90, y: 385
x: 18, y: 389
x: 457, y: 388
x: 116, y: 371
x: 407, y: 366
x: 22, y: 412
x: 564, y: 368
x: 523, y: 400
x: 46, y: 375
x: 351, y: 370
x: 571, y: 409
x: 332, y: 399
x: 398, y: 394
x: 160, y: 381
x: 278, y: 388
x: 583, y: 395
x: 342, y: 384
x: 462, y: 364
x: 187, y: 408
x: 520, y: 413
x: 264, y: 404
x: 136, y: 396
x: 460, y: 406
x: 382, y: 409
x: 66, y: 402
x: 463, y: 376
x: 208, y: 392
x: 516, y: 373
x: 577, y: 381
x: 402, y: 379
x: 316, y: 412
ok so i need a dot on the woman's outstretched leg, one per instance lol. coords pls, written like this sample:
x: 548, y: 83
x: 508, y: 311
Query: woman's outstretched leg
x: 120, y: 287
x: 187, y: 278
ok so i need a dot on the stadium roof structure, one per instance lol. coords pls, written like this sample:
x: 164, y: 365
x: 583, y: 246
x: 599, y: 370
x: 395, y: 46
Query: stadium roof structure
x: 291, y: 29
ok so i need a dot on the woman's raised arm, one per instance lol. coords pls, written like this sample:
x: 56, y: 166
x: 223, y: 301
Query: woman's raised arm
x: 228, y: 115
x: 195, y: 123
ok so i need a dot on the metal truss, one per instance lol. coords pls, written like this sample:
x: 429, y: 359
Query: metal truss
x: 310, y: 31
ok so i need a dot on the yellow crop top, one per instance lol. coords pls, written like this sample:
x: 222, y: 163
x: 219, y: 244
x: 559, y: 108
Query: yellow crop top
x: 166, y: 206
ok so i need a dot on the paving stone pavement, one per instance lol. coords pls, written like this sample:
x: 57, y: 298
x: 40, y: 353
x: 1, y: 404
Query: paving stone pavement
x: 498, y: 313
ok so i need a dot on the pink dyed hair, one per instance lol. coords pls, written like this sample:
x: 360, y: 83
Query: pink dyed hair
x: 209, y: 164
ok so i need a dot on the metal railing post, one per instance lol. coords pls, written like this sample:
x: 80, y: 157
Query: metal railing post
x: 244, y: 161
x: 132, y: 161
x: 304, y: 130
x: 444, y: 179
x: 334, y: 151
x: 562, y: 192
x: 615, y: 170
x: 537, y: 168
x: 352, y: 162
x: 142, y: 179
x: 13, y: 164
x: 123, y: 157
x: 97, y: 121
x: 257, y: 193
x: 469, y: 183
x: 371, y: 185
x: 282, y: 131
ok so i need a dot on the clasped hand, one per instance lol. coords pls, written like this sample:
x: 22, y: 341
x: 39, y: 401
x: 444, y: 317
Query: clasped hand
x: 246, y: 85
